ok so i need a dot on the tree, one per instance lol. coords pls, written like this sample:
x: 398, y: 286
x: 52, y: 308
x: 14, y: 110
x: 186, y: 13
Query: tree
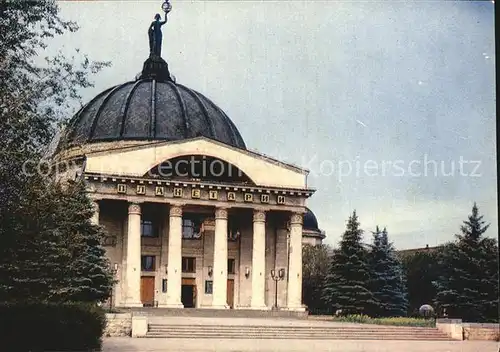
x: 346, y: 284
x: 468, y: 284
x: 421, y: 271
x: 35, y: 98
x: 315, y: 261
x: 386, y: 278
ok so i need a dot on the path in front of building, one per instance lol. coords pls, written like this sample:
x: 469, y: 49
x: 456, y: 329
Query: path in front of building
x: 126, y: 344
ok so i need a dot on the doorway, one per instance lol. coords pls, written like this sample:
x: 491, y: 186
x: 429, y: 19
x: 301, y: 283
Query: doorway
x: 188, y: 293
x: 230, y: 293
x: 147, y: 290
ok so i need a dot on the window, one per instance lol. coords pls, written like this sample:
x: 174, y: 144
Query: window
x: 164, y: 285
x: 188, y: 264
x: 148, y: 263
x: 148, y: 229
x: 191, y: 229
x: 231, y: 267
x: 209, y: 286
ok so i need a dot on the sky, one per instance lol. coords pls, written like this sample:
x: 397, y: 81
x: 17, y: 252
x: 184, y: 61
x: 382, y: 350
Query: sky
x: 390, y: 105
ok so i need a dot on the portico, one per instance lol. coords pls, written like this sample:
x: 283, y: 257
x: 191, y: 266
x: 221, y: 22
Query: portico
x: 233, y: 248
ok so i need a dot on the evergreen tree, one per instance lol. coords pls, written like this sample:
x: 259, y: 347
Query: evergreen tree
x: 35, y: 97
x: 346, y: 284
x: 88, y: 275
x: 386, y: 278
x: 468, y: 284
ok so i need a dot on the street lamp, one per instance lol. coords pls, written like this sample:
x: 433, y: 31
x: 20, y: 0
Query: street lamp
x: 277, y: 277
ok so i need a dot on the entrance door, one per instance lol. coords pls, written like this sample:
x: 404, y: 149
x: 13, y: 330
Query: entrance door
x: 188, y: 293
x: 230, y: 293
x: 147, y: 290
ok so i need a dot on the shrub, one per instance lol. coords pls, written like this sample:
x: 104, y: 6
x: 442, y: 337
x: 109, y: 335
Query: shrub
x: 51, y: 327
x: 397, y: 321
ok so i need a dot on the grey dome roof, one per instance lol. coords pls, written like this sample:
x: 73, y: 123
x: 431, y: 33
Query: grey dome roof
x: 150, y: 109
x: 310, y: 222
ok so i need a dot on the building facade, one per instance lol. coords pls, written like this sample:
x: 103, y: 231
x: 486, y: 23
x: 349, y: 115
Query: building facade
x: 192, y: 217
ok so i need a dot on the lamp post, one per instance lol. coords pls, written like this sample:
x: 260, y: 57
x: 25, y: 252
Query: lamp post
x: 280, y: 275
x: 115, y: 270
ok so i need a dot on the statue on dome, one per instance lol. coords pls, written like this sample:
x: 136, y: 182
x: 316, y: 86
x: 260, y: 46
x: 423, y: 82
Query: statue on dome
x: 154, y: 31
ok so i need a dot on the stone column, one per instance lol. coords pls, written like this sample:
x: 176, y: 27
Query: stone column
x: 133, y: 260
x: 258, y: 261
x: 219, y: 295
x: 95, y: 217
x: 294, y: 299
x: 174, y: 274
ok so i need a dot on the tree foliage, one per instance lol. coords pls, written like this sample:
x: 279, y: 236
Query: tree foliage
x: 315, y: 260
x: 387, y: 281
x: 37, y: 245
x: 421, y: 271
x: 346, y: 283
x: 468, y: 283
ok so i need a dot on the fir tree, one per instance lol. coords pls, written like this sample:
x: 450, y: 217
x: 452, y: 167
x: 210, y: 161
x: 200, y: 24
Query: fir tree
x: 35, y: 97
x: 346, y: 284
x: 468, y: 285
x: 386, y: 278
x: 88, y: 275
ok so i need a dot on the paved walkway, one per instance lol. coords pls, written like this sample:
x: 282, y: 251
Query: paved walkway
x: 125, y: 344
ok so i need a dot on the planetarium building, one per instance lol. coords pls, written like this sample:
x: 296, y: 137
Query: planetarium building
x: 192, y: 217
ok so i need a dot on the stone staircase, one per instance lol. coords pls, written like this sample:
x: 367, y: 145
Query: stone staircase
x: 217, y: 313
x: 302, y: 332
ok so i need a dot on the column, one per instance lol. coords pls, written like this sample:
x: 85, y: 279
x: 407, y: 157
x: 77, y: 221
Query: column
x: 294, y: 299
x: 162, y: 301
x: 258, y: 260
x: 219, y: 293
x: 133, y: 260
x: 174, y: 269
x: 95, y: 216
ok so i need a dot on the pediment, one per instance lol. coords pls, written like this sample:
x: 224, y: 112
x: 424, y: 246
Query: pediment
x: 137, y: 161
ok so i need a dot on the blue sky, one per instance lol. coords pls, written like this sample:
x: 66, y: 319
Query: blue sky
x: 385, y: 87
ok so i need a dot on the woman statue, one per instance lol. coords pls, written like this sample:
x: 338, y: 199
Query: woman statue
x: 155, y: 35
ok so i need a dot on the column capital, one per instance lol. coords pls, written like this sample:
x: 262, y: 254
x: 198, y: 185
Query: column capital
x: 296, y: 219
x: 259, y: 215
x: 221, y: 213
x: 134, y: 208
x: 175, y: 211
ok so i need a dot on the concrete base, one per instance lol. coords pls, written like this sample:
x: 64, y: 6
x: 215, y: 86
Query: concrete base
x: 215, y: 307
x: 257, y: 308
x: 139, y: 326
x: 132, y: 304
x: 294, y: 309
x: 171, y: 305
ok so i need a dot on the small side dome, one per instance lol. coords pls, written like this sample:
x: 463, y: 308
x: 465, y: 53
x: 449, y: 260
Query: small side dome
x: 310, y: 226
x: 310, y: 221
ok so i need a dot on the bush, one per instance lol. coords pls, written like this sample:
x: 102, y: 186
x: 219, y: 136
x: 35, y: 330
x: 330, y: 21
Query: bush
x: 51, y: 327
x: 397, y: 321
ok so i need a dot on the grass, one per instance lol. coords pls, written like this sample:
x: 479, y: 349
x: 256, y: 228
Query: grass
x: 395, y: 321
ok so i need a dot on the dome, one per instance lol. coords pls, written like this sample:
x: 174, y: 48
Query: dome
x: 150, y: 109
x: 310, y: 221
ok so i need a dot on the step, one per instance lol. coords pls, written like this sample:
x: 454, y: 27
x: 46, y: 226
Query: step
x: 316, y: 330
x: 305, y: 337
